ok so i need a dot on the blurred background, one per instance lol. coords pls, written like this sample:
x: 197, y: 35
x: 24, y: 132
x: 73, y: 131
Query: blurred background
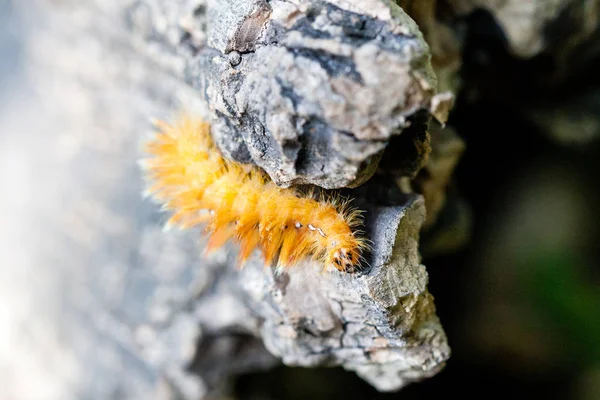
x: 520, y: 302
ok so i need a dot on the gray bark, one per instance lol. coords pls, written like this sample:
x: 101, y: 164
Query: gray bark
x: 311, y: 92
x: 137, y: 311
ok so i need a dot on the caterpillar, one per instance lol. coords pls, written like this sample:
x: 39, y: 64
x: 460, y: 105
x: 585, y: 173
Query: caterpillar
x: 190, y: 178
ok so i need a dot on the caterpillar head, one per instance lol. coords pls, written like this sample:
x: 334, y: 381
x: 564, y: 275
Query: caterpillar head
x: 345, y: 253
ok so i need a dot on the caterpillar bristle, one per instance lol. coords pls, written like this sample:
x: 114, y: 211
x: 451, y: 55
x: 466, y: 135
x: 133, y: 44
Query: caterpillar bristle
x: 188, y: 176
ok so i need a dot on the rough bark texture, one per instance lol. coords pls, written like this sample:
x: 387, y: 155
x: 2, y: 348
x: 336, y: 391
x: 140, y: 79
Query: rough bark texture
x: 310, y: 91
x: 103, y: 304
x: 137, y: 312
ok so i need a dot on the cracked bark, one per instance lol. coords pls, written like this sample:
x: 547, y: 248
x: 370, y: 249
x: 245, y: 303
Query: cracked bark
x: 312, y: 92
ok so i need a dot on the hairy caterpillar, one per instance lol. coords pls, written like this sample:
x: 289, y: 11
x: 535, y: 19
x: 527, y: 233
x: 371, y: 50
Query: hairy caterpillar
x: 191, y: 179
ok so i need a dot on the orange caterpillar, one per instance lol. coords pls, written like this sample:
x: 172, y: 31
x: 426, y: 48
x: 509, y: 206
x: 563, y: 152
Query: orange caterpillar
x: 191, y: 178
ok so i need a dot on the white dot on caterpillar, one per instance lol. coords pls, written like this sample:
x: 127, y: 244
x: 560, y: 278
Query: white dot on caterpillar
x: 298, y: 225
x: 312, y: 228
